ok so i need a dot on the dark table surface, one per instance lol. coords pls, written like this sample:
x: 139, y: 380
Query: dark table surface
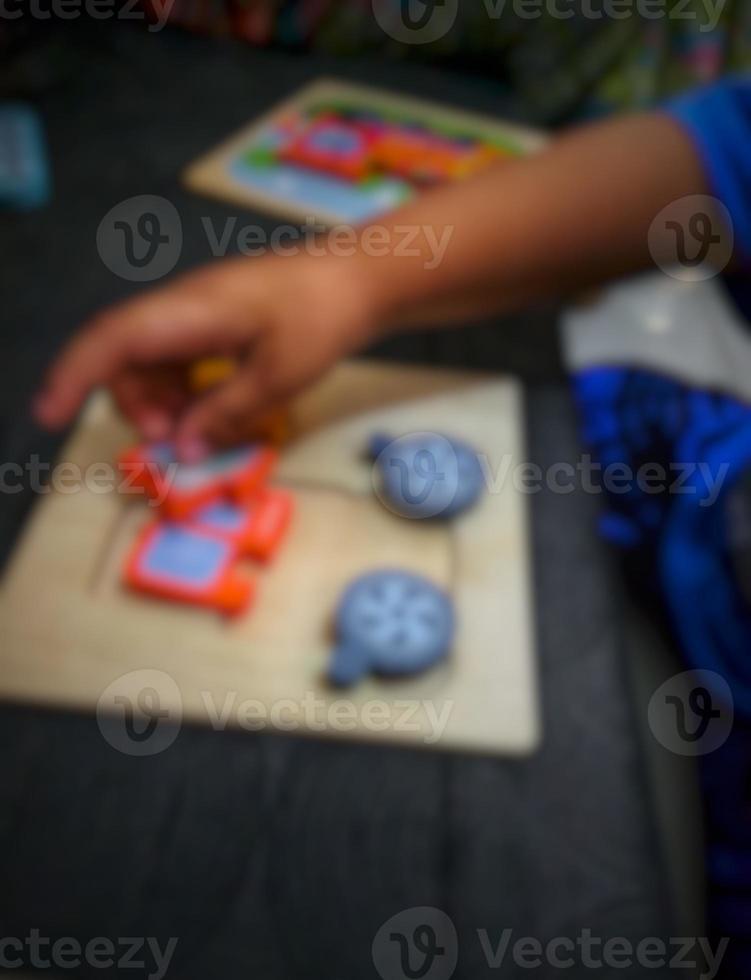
x: 274, y: 856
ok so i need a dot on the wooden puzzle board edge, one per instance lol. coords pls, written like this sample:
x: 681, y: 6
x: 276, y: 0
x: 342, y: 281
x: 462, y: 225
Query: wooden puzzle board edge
x: 71, y: 635
x: 210, y: 174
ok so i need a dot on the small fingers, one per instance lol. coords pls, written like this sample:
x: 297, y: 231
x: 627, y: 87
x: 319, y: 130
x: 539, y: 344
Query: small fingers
x: 152, y: 398
x: 176, y: 323
x: 222, y: 417
x: 90, y: 359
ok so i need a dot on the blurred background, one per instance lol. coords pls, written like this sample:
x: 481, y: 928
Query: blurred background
x: 280, y: 856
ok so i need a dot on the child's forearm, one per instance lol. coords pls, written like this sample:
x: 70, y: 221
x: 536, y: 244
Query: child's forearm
x: 575, y: 214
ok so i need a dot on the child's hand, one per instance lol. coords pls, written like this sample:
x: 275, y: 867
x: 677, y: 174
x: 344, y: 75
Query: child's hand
x: 284, y: 320
x: 526, y: 230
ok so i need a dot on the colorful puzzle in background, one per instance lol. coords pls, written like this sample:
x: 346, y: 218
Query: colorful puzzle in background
x: 358, y: 161
x: 359, y: 145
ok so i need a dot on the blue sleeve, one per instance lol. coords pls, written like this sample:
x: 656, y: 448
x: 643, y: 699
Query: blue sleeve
x: 718, y: 120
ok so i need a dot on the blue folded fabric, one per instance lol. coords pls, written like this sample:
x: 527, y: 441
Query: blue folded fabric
x: 718, y: 120
x: 683, y: 548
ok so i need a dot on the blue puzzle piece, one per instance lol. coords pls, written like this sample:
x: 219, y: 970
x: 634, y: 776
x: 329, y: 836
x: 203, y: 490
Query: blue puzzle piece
x: 183, y: 558
x: 427, y: 475
x: 24, y: 168
x: 221, y: 515
x: 393, y: 623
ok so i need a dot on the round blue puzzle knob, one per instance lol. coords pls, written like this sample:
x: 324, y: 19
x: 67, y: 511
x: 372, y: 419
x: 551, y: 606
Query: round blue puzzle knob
x: 390, y: 622
x: 426, y: 475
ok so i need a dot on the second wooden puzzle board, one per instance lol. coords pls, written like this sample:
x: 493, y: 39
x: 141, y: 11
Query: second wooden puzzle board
x: 299, y: 192
x: 69, y: 629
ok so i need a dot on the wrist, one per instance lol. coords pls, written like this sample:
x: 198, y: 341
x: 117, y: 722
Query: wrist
x: 360, y: 296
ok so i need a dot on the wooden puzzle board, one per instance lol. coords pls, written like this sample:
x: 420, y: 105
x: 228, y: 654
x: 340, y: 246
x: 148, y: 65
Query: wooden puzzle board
x: 68, y: 628
x: 213, y: 173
